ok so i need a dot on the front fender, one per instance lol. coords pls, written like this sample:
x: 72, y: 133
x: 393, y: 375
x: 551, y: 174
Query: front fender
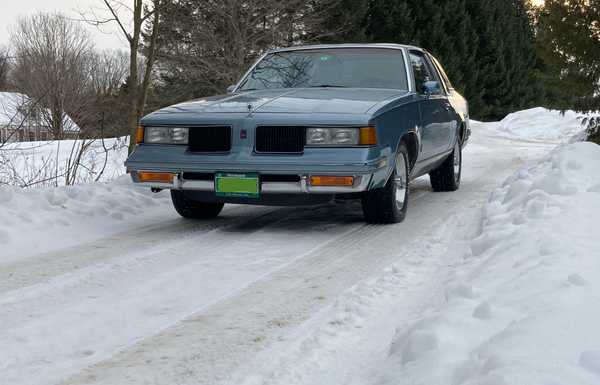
x: 392, y: 126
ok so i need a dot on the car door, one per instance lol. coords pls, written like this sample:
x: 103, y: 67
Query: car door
x: 456, y: 106
x: 434, y: 107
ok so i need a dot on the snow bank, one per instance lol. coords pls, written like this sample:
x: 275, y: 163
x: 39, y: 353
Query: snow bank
x: 40, y: 220
x: 36, y: 164
x: 516, y: 304
x: 524, y: 307
x: 541, y: 124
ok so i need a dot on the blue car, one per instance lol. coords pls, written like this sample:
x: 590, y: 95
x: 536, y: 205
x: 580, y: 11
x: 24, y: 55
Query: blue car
x: 309, y: 124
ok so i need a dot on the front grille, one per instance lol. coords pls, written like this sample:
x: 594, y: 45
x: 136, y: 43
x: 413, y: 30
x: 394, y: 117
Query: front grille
x: 279, y: 178
x: 282, y: 139
x: 210, y: 139
x: 198, y: 176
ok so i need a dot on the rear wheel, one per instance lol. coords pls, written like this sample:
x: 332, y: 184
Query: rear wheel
x: 389, y: 203
x: 447, y: 176
x: 193, y: 209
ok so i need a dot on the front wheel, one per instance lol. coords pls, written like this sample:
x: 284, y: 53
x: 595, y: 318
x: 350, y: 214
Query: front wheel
x: 447, y: 176
x: 389, y: 204
x: 193, y: 209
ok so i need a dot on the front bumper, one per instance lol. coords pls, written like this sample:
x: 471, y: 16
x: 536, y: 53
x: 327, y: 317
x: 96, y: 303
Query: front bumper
x: 368, y: 165
x: 302, y: 186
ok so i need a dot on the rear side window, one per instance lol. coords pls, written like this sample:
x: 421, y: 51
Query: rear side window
x: 440, y: 69
x: 421, y: 70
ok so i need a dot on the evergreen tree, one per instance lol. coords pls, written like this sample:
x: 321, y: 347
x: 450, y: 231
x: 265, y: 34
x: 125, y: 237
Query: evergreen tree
x: 486, y: 46
x: 391, y: 21
x: 569, y: 46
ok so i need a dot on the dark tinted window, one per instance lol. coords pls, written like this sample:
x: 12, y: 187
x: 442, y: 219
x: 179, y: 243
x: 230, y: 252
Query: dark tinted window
x: 340, y: 67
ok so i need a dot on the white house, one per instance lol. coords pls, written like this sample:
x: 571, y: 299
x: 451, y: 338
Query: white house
x: 21, y: 120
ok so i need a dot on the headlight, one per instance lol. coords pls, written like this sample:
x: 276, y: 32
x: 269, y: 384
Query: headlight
x: 332, y: 136
x: 166, y: 135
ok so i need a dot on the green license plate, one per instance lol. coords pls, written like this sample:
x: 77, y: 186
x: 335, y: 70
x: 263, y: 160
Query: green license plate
x: 237, y: 185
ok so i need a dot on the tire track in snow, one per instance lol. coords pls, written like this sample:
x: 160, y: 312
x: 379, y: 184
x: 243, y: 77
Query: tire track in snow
x: 43, y: 268
x: 83, y: 316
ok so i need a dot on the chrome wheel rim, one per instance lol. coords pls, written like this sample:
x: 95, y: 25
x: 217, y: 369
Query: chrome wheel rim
x: 457, y: 161
x: 401, y: 180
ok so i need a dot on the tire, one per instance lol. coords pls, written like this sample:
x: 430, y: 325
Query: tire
x: 447, y: 176
x: 388, y: 204
x: 192, y: 209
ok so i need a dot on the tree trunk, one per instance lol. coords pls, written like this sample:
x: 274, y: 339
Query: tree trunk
x: 133, y: 98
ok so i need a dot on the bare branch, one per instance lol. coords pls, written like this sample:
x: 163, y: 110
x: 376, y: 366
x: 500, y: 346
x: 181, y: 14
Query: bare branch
x: 118, y: 20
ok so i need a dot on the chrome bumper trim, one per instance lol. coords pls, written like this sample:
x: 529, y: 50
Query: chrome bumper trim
x: 361, y: 184
x: 196, y: 185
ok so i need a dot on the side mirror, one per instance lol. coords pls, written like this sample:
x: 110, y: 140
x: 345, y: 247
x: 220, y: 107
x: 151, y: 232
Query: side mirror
x: 432, y: 88
x: 231, y: 88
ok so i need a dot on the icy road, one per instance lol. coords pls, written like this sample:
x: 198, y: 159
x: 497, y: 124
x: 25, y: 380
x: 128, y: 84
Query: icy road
x: 105, y: 284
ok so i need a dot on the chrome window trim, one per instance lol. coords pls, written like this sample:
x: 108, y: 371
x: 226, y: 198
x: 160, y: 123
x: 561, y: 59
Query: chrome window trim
x: 409, y: 78
x: 243, y: 78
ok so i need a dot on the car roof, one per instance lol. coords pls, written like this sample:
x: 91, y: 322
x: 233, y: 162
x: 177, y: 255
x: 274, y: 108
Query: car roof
x: 347, y: 45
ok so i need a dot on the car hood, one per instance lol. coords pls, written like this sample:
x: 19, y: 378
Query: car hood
x: 294, y: 101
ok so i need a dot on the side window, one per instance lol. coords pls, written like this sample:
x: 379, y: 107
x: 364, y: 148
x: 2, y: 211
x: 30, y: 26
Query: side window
x: 421, y: 70
x: 440, y: 69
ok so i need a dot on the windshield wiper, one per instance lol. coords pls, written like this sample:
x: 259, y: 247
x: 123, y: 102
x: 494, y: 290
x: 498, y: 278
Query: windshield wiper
x: 328, y: 86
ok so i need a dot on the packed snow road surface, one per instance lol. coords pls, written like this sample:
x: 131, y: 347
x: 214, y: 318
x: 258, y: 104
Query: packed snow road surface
x: 104, y: 284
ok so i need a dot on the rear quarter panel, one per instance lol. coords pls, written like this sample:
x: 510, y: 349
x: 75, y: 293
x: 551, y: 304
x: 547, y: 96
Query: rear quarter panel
x: 461, y: 107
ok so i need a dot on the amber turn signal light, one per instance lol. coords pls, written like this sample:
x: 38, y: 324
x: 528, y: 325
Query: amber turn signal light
x: 157, y: 177
x: 139, y: 135
x: 332, y: 181
x: 368, y: 136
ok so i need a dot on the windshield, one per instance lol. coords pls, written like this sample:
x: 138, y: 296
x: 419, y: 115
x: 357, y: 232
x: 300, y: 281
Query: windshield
x: 347, y: 67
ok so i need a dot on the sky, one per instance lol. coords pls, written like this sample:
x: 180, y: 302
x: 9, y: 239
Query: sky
x: 11, y: 9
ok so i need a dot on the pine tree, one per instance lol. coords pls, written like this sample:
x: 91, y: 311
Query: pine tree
x: 486, y: 46
x: 390, y: 21
x: 569, y: 45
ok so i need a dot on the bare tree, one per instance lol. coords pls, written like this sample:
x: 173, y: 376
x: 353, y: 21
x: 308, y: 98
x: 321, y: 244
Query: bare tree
x: 205, y: 45
x: 4, y: 67
x: 108, y: 114
x: 56, y: 65
x: 53, y: 62
x: 143, y: 17
x: 110, y: 72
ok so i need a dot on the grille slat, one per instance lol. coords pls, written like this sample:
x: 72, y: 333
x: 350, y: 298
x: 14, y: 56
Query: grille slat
x: 210, y: 139
x: 280, y: 139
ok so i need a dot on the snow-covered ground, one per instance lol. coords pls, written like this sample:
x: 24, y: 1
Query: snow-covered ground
x: 494, y: 284
x: 517, y: 304
x: 42, y: 220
